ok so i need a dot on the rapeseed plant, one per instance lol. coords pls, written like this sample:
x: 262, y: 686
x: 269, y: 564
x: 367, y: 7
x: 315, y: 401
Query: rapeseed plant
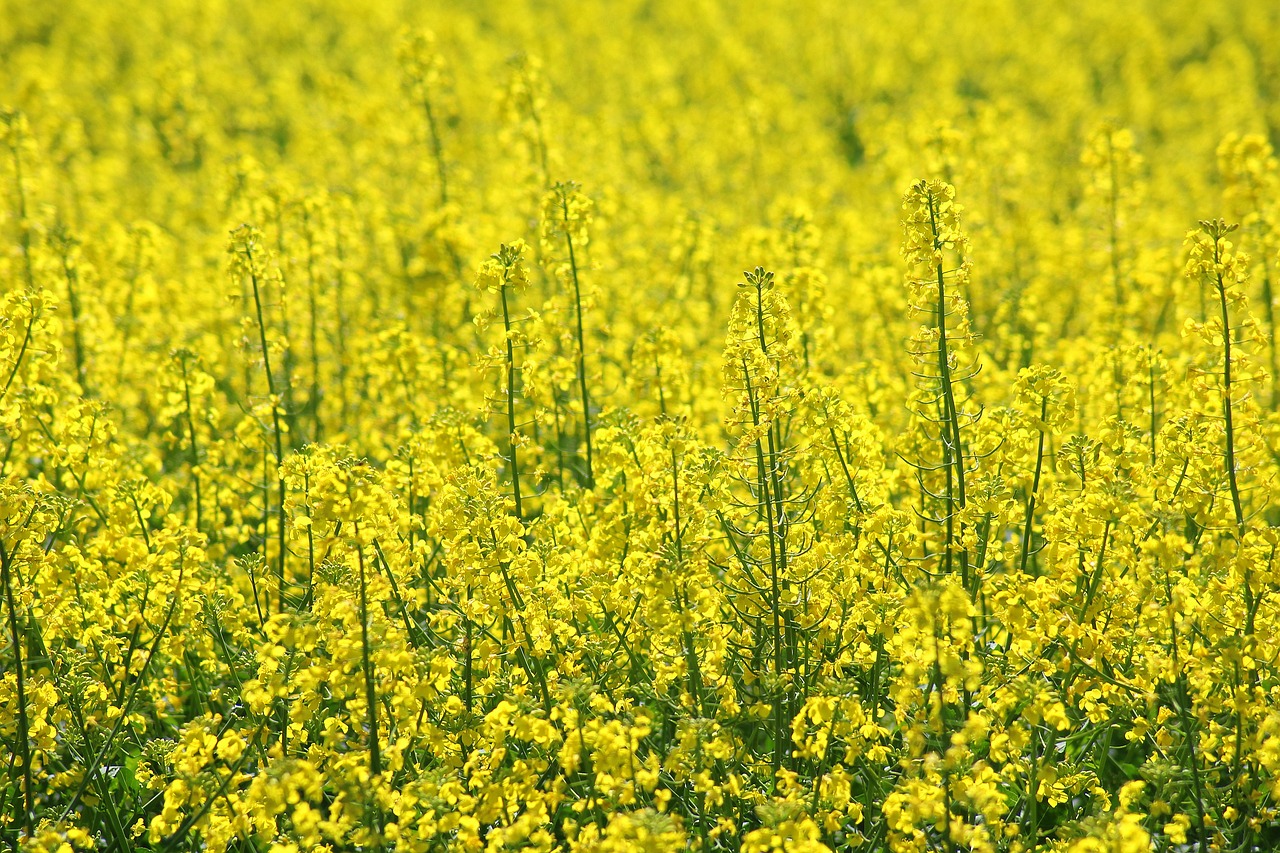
x: 950, y: 527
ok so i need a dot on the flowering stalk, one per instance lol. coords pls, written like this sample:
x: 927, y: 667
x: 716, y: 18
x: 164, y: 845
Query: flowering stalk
x: 184, y: 357
x: 247, y: 262
x: 1043, y: 389
x: 931, y: 226
x: 503, y: 272
x: 1212, y: 261
x: 567, y: 212
x: 759, y: 354
x: 68, y: 246
x: 422, y: 67
x: 23, y: 751
x: 366, y: 663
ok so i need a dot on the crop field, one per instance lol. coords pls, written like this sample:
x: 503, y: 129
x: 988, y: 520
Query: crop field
x: 639, y: 426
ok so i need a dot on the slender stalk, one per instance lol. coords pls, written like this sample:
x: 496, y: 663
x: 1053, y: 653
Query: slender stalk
x: 940, y: 685
x: 313, y: 400
x: 777, y: 520
x: 763, y: 486
x: 582, y: 347
x: 1230, y: 454
x: 371, y: 696
x: 437, y: 150
x: 193, y: 447
x: 1182, y: 706
x: 524, y: 650
x: 340, y: 312
x: 467, y: 673
x: 1035, y: 490
x: 127, y: 318
x: 309, y: 599
x: 72, y: 276
x: 1151, y: 399
x: 102, y: 788
x: 24, y: 725
x: 953, y: 452
x: 370, y: 689
x: 276, y: 428
x: 22, y: 352
x: 531, y: 102
x: 1113, y: 201
x: 511, y: 404
x: 1033, y: 789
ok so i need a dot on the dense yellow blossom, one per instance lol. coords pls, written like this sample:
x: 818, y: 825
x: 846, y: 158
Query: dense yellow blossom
x: 639, y: 426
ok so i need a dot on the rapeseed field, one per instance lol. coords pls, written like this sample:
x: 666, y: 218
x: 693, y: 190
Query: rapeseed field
x: 639, y: 426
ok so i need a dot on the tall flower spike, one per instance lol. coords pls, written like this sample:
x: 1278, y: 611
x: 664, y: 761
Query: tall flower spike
x: 1213, y: 261
x: 759, y: 360
x: 760, y: 342
x: 567, y: 213
x: 1112, y: 169
x: 248, y: 262
x: 422, y: 69
x: 504, y: 271
x: 933, y: 236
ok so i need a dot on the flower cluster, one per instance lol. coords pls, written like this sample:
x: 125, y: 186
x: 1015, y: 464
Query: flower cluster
x: 388, y: 460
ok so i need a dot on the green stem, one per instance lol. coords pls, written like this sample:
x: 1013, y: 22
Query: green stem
x: 582, y: 347
x: 370, y: 689
x: 1226, y: 393
x: 953, y: 452
x: 511, y: 404
x: 24, y: 726
x: 437, y: 150
x: 277, y: 431
x: 1035, y: 490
